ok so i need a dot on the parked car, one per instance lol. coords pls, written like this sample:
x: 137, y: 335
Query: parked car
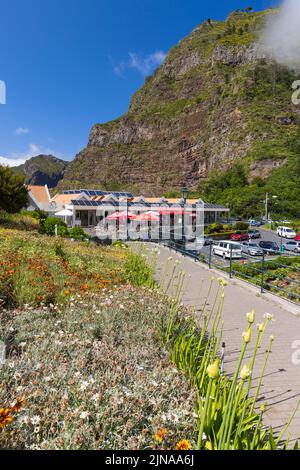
x: 292, y: 246
x: 253, y: 234
x: 239, y: 236
x: 286, y: 232
x: 255, y: 223
x: 297, y: 237
x: 270, y: 248
x: 227, y: 249
x: 252, y: 249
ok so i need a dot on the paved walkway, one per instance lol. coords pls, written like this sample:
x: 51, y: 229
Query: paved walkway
x: 281, y: 383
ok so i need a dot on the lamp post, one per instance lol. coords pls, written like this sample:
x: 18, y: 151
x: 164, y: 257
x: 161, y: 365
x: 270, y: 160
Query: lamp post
x: 282, y: 220
x: 127, y: 228
x: 184, y: 193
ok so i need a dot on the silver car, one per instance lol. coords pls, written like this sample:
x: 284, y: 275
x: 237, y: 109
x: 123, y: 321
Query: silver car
x: 292, y: 246
x: 252, y: 249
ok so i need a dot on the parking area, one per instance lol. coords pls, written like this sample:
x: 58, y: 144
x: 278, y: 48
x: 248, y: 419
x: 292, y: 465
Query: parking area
x: 269, y: 272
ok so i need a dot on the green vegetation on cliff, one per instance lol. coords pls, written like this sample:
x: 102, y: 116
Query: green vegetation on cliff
x: 216, y: 102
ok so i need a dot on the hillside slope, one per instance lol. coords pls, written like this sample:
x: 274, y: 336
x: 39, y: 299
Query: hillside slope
x: 214, y: 102
x: 43, y: 169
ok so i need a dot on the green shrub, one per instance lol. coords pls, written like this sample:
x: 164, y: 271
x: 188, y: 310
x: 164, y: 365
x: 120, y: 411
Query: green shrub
x: 119, y: 244
x: 138, y: 271
x: 18, y: 221
x: 77, y: 233
x: 215, y: 228
x: 5, y: 218
x: 241, y: 226
x: 49, y: 227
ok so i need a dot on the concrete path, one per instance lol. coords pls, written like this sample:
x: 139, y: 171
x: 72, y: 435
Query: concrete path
x: 281, y: 383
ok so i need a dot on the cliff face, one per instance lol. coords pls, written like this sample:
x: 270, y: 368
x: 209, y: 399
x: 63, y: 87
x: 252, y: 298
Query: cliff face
x: 214, y: 101
x: 43, y: 169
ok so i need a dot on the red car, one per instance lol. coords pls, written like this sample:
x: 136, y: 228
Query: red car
x: 240, y: 236
x: 297, y: 238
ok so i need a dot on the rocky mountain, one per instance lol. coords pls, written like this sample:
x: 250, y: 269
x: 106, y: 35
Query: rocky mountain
x: 215, y: 101
x: 43, y: 169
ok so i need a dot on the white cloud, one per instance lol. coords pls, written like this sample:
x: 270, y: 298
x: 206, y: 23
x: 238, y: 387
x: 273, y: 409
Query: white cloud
x: 145, y: 65
x: 22, y: 131
x: 281, y: 37
x: 11, y: 162
x: 16, y: 159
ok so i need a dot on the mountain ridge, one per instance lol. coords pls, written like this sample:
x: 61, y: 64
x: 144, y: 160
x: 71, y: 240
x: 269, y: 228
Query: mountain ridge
x: 42, y: 169
x: 215, y: 101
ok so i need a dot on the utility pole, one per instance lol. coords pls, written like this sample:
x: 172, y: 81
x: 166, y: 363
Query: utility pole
x: 266, y: 207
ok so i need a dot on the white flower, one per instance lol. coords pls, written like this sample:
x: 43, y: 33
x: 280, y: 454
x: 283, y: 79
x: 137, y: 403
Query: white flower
x: 269, y: 317
x: 84, y: 415
x: 35, y: 420
x: 84, y: 385
x: 96, y: 397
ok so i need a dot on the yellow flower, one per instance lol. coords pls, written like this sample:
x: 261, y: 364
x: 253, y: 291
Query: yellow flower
x: 263, y: 408
x: 245, y: 372
x: 213, y: 370
x: 272, y: 338
x: 260, y: 327
x: 251, y: 316
x: 5, y: 417
x: 247, y: 336
x: 160, y: 435
x: 184, y: 445
x: 208, y: 445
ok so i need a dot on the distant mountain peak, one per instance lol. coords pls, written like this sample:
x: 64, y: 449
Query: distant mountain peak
x: 43, y: 169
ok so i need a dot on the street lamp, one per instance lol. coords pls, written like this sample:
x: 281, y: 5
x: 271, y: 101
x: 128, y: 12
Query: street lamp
x: 185, y: 194
x: 282, y: 221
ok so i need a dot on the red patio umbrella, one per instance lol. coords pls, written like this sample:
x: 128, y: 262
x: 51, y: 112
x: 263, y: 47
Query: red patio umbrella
x: 148, y: 217
x: 121, y: 216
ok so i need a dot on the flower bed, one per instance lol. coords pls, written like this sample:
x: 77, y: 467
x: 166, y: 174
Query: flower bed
x: 94, y: 376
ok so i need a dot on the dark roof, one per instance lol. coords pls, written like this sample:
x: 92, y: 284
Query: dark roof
x: 92, y: 192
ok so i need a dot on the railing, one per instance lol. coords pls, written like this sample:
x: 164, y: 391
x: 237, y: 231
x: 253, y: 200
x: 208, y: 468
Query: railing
x: 280, y: 275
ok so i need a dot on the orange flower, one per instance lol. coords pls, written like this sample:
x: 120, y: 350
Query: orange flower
x: 160, y: 435
x: 19, y: 404
x: 184, y: 445
x: 5, y: 417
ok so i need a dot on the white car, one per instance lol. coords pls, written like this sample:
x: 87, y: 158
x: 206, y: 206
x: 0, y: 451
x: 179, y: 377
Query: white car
x: 286, y: 232
x: 292, y: 246
x: 228, y: 249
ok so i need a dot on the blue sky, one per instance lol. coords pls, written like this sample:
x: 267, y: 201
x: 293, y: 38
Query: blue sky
x: 70, y: 64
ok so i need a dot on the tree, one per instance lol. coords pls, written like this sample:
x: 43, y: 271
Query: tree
x: 13, y: 193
